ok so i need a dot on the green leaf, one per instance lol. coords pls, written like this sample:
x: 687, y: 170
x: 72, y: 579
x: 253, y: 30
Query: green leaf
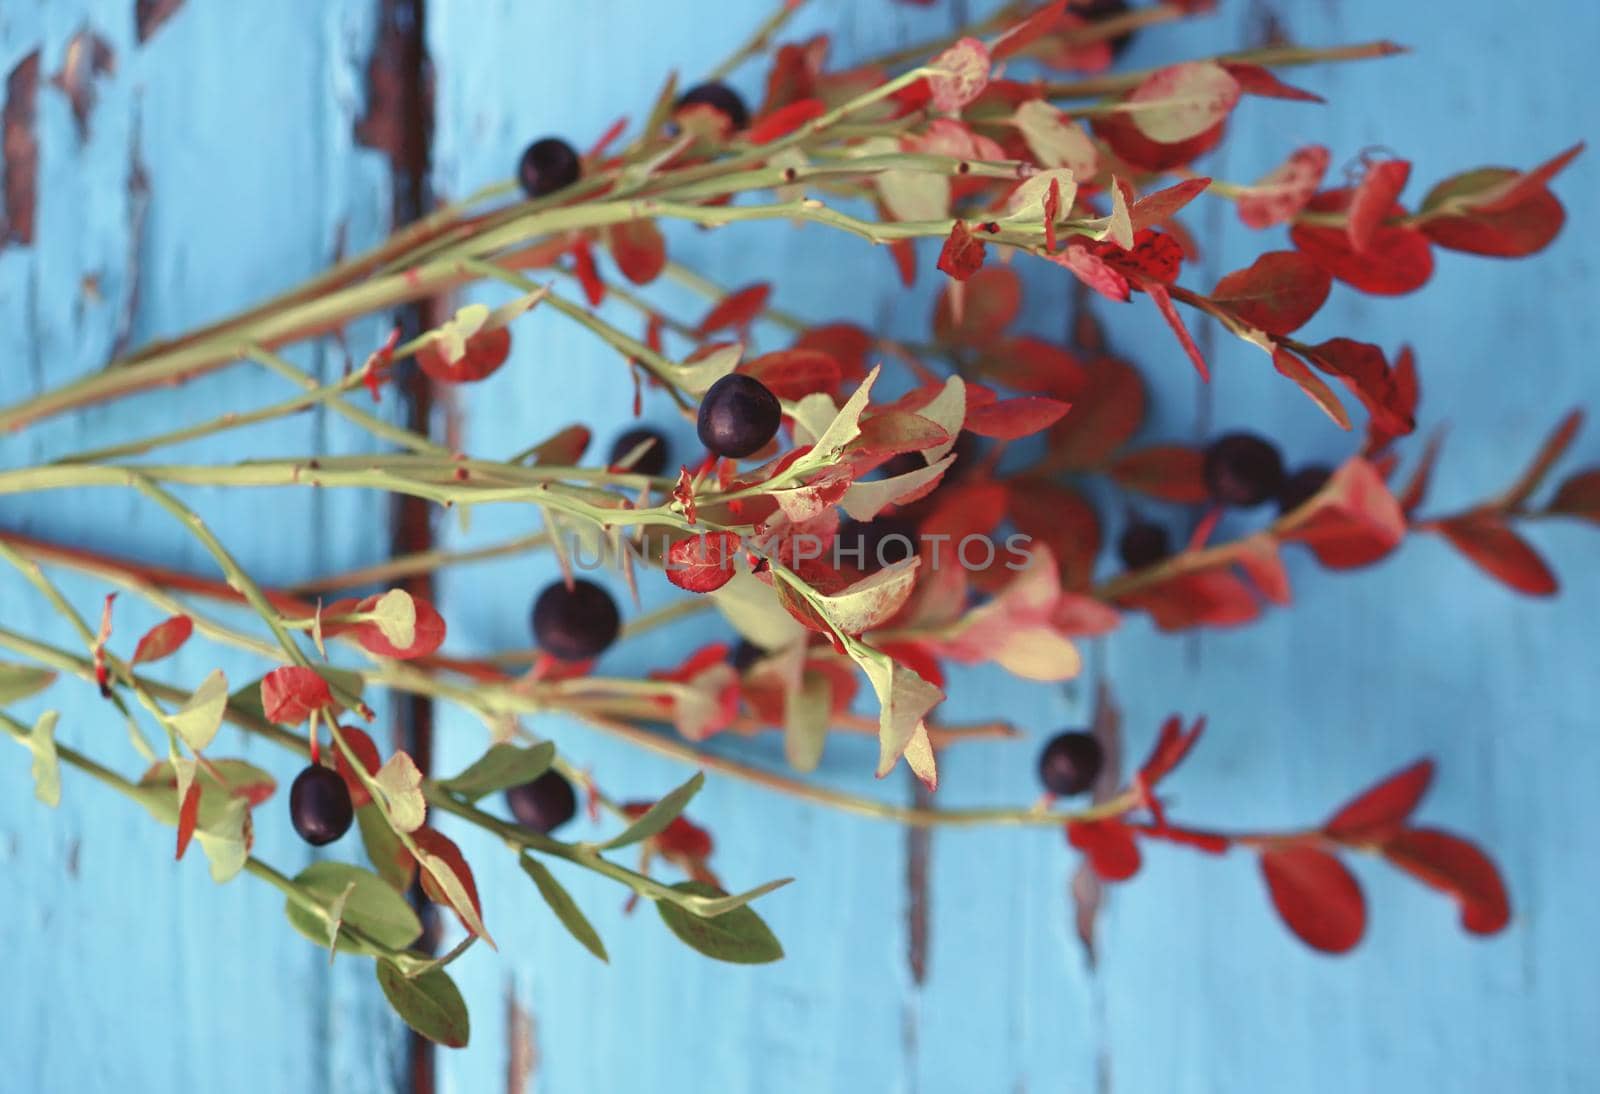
x: 503, y: 766
x: 18, y: 682
x: 198, y: 720
x: 226, y: 841
x: 384, y: 849
x: 401, y: 784
x: 430, y: 1003
x: 46, y: 768
x: 807, y: 714
x: 739, y: 936
x: 395, y: 613
x: 661, y: 814
x: 561, y: 903
x: 372, y: 907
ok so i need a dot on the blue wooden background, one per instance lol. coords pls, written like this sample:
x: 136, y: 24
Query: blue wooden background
x: 219, y: 164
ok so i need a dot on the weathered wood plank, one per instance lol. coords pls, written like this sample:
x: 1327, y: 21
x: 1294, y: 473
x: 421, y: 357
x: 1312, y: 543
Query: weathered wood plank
x: 218, y: 165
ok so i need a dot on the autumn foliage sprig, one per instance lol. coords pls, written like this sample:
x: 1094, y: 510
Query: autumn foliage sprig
x: 968, y: 144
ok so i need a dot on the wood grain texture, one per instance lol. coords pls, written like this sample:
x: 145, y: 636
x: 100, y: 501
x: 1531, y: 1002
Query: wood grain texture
x: 219, y: 166
x: 242, y: 115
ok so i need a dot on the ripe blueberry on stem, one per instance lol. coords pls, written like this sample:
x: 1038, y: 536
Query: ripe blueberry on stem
x: 737, y: 416
x: 1241, y: 469
x: 547, y: 165
x: 1302, y: 486
x: 544, y: 804
x: 1070, y: 763
x: 1143, y: 543
x: 575, y: 624
x: 874, y: 545
x: 720, y: 97
x: 320, y: 806
x: 654, y: 459
x: 1096, y: 10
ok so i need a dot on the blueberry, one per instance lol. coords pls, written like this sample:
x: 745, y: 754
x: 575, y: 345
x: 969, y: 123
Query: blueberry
x: 1242, y: 469
x: 721, y: 98
x: 654, y: 459
x: 1143, y: 543
x: 1070, y: 763
x: 745, y: 654
x: 737, y: 416
x: 1096, y: 10
x: 549, y: 164
x: 873, y: 545
x: 544, y: 804
x: 575, y: 624
x: 1302, y: 486
x: 320, y: 806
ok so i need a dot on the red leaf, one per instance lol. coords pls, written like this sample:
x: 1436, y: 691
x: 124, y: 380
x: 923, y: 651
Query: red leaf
x: 1290, y: 365
x: 428, y: 637
x: 1514, y: 191
x: 1388, y: 394
x: 1104, y: 416
x: 367, y: 752
x: 1316, y: 895
x: 163, y: 640
x: 1376, y: 195
x: 963, y: 73
x: 785, y: 120
x: 965, y: 509
x: 1094, y: 271
x: 1154, y: 210
x: 1488, y: 542
x: 1170, y: 472
x: 1209, y: 598
x: 992, y: 299
x: 1154, y: 256
x: 1035, y: 366
x: 486, y: 351
x: 737, y: 309
x: 1172, y: 747
x: 289, y: 695
x: 1354, y: 520
x: 1060, y: 518
x: 1277, y: 293
x: 962, y: 254
x: 1511, y: 232
x: 846, y: 343
x: 188, y: 816
x: 1109, y: 845
x: 1451, y: 864
x: 594, y: 289
x: 1397, y: 260
x: 703, y: 563
x: 1010, y: 419
x: 1377, y: 814
x: 1159, y: 294
x: 1280, y: 196
x: 794, y: 373
x: 1024, y: 33
x: 1554, y: 447
x: 638, y: 249
x: 1259, y: 81
x: 436, y: 843
x: 1135, y: 148
x: 1579, y: 496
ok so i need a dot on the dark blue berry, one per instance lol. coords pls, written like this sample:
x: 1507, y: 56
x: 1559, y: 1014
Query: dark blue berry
x: 320, y: 806
x: 871, y: 546
x: 1241, y: 469
x: 1070, y: 763
x: 548, y: 164
x: 654, y: 459
x: 544, y: 804
x: 745, y: 654
x: 575, y: 624
x: 720, y: 97
x: 1143, y: 543
x: 737, y: 416
x: 1096, y: 10
x: 1302, y: 486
